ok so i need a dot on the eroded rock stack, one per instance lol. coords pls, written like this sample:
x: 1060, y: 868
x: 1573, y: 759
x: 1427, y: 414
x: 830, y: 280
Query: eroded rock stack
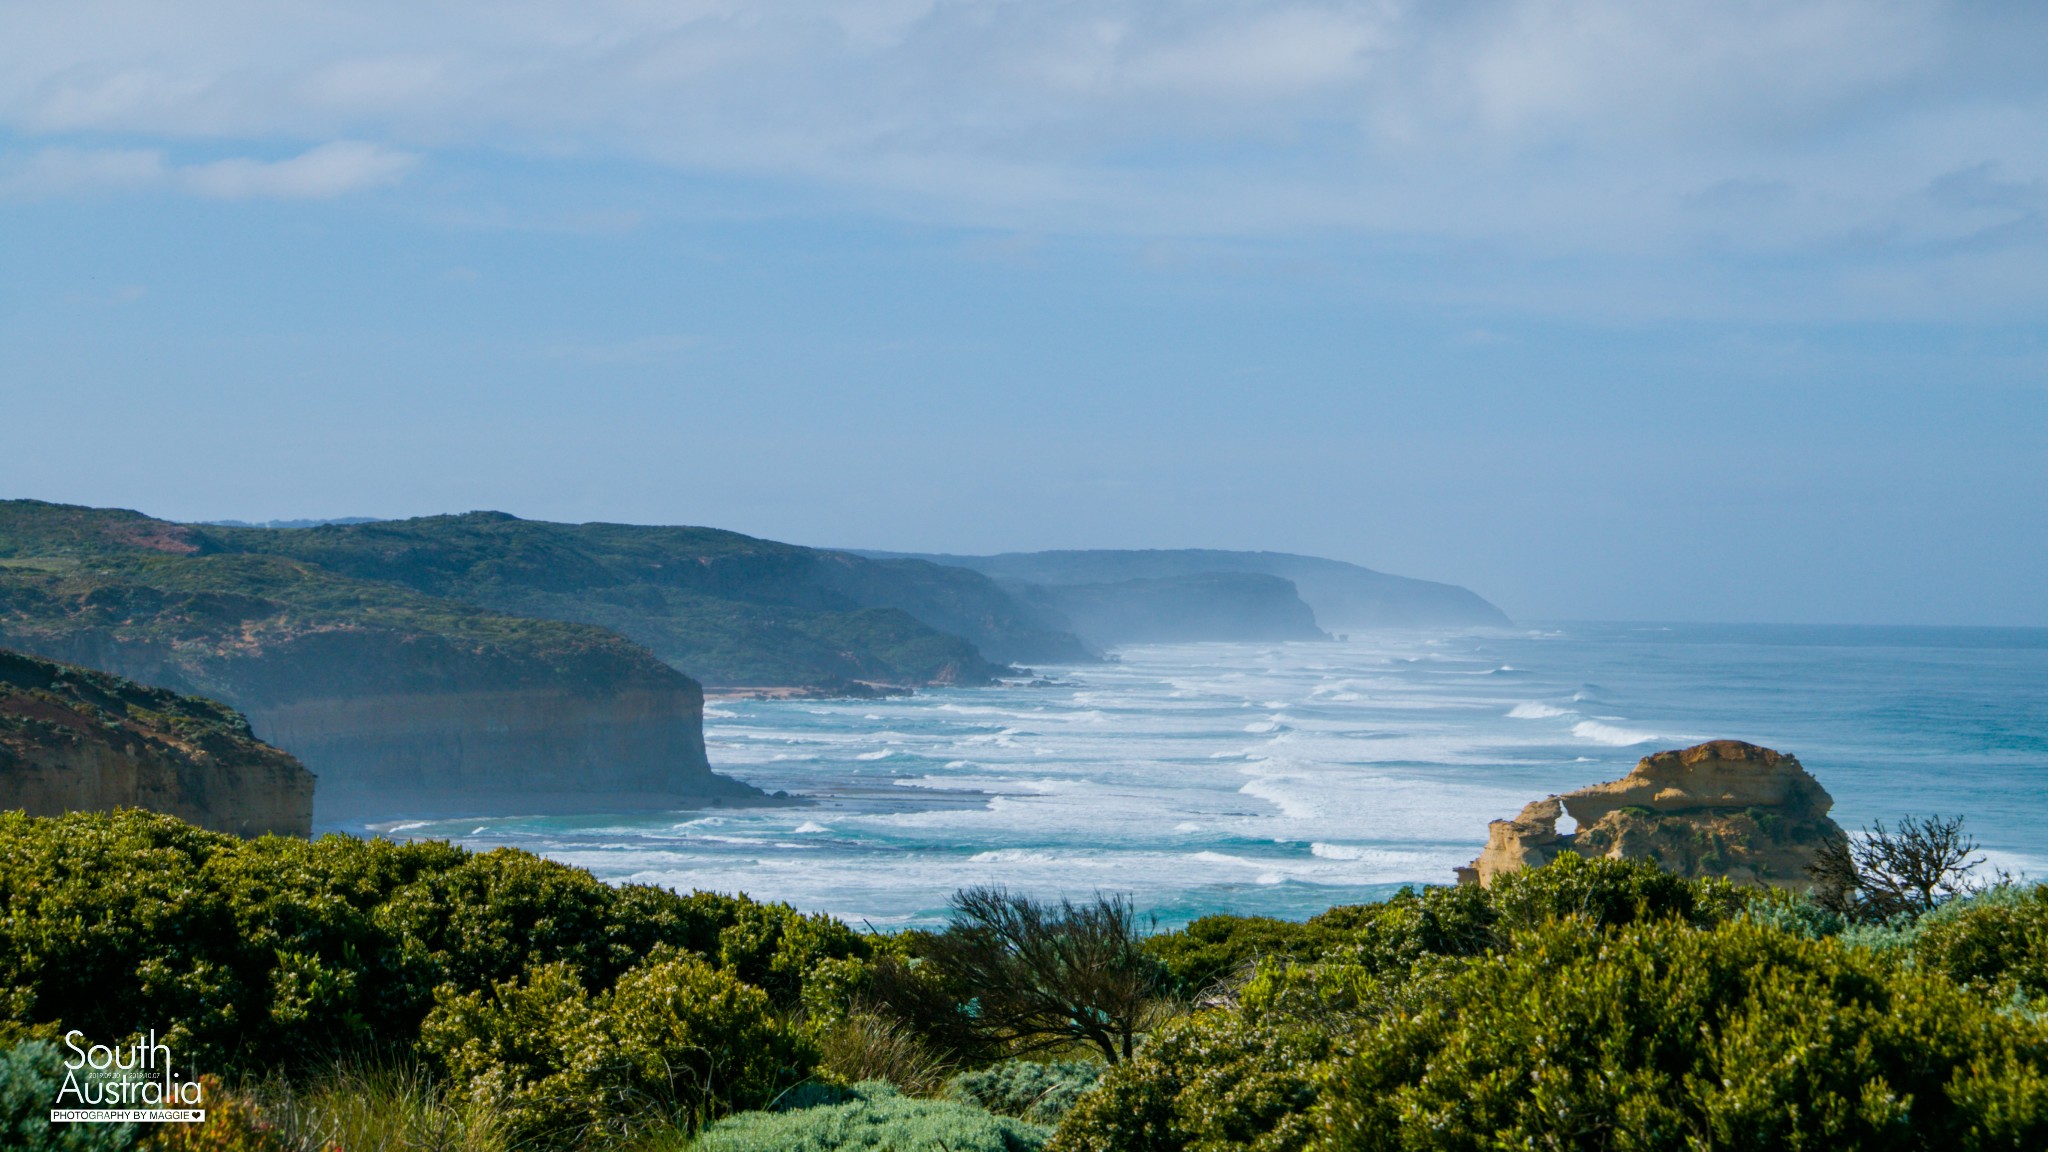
x: 1724, y: 808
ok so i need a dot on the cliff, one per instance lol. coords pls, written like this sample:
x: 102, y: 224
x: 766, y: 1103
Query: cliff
x: 732, y: 610
x: 1343, y: 596
x: 1723, y: 808
x: 73, y: 740
x: 1175, y: 609
x: 402, y: 703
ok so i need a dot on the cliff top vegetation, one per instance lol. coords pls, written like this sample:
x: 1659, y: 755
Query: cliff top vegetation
x: 79, y: 583
x: 730, y: 609
x: 727, y: 608
x: 40, y: 698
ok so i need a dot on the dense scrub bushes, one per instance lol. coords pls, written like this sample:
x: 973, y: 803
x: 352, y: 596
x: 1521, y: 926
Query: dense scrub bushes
x: 1590, y: 1004
x: 1662, y: 1036
x: 1598, y: 1005
x: 247, y: 956
x: 673, y: 1041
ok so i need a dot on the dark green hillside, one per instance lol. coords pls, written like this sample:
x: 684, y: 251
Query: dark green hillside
x: 144, y: 598
x: 726, y: 608
x: 729, y: 609
x: 398, y: 700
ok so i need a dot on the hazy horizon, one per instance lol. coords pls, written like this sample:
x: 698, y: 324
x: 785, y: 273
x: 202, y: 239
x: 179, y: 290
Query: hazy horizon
x: 1721, y: 312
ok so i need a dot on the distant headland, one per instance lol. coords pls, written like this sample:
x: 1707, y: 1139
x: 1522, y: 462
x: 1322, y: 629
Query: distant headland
x: 481, y: 663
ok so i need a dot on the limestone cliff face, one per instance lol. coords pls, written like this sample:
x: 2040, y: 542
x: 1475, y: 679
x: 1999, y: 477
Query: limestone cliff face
x: 1723, y: 808
x: 73, y: 740
x: 403, y: 703
x: 522, y: 750
x: 415, y: 724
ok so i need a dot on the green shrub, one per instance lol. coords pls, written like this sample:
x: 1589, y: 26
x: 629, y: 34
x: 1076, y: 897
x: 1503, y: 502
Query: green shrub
x: 1660, y: 1035
x: 1391, y: 937
x: 1213, y: 1080
x: 248, y: 955
x: 864, y: 1046
x: 674, y: 1040
x: 1388, y: 936
x: 30, y: 1075
x: 1603, y: 892
x: 872, y: 1116
x: 1014, y: 976
x: 1996, y: 943
x: 1027, y: 1089
x: 1214, y: 948
x: 1793, y: 913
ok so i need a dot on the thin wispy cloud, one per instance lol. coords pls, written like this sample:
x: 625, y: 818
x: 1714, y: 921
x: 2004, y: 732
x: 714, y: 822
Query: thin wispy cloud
x: 1597, y: 126
x: 320, y: 173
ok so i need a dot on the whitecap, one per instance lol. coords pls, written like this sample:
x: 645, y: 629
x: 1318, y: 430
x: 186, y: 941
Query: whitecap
x: 1610, y: 734
x: 1530, y: 710
x: 1272, y: 791
x: 809, y: 827
x: 884, y: 754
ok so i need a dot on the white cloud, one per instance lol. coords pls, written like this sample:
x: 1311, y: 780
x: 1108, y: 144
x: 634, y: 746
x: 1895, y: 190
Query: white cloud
x: 1547, y: 126
x: 320, y: 173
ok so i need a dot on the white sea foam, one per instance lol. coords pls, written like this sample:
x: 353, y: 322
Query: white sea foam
x: 1387, y: 758
x: 1610, y: 734
x: 1276, y: 792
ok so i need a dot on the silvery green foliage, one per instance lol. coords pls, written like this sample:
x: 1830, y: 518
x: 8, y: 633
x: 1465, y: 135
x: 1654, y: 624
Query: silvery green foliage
x: 1794, y: 914
x: 871, y: 1115
x: 1027, y: 1089
x: 30, y: 1074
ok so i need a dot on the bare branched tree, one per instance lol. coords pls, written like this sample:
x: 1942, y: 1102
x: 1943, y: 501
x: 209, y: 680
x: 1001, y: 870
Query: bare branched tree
x: 1926, y: 862
x: 1034, y: 976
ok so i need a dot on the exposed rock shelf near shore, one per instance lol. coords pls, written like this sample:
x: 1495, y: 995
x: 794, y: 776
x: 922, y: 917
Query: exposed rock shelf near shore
x: 73, y: 740
x: 1720, y: 809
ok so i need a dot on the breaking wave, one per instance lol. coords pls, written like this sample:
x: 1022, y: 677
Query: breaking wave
x: 1610, y: 735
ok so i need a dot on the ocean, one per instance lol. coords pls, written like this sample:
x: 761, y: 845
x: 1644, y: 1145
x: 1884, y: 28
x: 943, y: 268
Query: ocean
x: 1282, y: 779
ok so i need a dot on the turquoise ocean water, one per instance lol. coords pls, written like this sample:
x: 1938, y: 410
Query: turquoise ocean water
x: 1280, y: 779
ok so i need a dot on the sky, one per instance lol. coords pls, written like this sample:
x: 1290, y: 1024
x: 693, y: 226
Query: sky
x: 1724, y: 311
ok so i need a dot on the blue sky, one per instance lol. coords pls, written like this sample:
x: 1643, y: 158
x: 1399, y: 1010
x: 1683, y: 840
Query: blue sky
x: 1711, y: 311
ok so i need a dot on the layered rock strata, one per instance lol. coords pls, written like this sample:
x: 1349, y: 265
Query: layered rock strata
x: 1721, y: 809
x: 73, y: 740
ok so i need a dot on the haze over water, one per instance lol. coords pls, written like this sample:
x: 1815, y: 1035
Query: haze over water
x: 1280, y: 779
